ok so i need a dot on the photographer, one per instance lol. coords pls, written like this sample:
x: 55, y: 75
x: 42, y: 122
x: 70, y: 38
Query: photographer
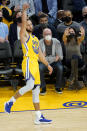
x: 72, y: 40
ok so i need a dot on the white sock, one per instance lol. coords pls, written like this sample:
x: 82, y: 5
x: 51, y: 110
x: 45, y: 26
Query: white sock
x: 38, y: 114
x: 12, y: 99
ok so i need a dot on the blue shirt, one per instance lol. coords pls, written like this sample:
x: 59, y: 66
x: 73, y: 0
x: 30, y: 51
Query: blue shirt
x: 3, y: 30
x: 52, y: 7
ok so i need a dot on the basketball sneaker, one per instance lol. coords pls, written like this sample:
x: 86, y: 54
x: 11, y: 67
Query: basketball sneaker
x: 8, y: 106
x: 42, y: 120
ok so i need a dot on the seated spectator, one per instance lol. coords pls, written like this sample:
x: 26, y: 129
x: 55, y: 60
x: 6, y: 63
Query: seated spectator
x: 14, y: 30
x: 43, y: 23
x: 84, y: 44
x: 75, y: 6
x: 72, y: 40
x: 7, y: 13
x: 3, y: 30
x: 48, y: 7
x: 52, y: 50
x: 84, y: 22
x: 59, y: 19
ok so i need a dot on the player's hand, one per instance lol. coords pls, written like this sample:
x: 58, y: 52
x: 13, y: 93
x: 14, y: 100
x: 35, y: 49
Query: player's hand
x: 50, y: 69
x: 26, y: 6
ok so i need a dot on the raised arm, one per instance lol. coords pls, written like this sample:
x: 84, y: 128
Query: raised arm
x: 66, y: 33
x: 81, y: 38
x: 24, y: 21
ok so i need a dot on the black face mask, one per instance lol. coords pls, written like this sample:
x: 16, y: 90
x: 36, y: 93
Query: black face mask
x: 67, y: 19
x: 43, y: 26
x: 19, y: 20
x: 1, y: 19
x: 85, y: 16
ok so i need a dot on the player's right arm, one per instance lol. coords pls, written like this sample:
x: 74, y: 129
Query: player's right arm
x: 45, y: 62
x: 24, y: 21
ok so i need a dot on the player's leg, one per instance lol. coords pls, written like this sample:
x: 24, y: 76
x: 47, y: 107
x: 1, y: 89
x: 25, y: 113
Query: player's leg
x: 39, y: 117
x: 29, y: 86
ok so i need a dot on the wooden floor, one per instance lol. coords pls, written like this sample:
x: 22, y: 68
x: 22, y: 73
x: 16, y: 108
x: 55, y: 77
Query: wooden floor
x: 63, y: 120
x: 67, y: 110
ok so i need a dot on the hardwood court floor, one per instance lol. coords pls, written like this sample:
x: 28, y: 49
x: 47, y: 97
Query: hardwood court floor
x: 63, y: 120
x: 68, y: 111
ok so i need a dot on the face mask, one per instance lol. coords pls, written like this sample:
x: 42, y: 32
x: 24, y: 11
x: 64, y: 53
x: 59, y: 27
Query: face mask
x: 0, y: 19
x: 44, y: 25
x: 85, y: 16
x: 67, y: 19
x: 19, y: 20
x: 48, y: 37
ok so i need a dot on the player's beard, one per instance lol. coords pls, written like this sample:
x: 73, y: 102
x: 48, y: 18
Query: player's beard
x: 29, y: 31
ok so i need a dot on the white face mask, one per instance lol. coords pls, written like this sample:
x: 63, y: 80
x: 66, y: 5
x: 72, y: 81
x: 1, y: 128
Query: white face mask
x: 48, y: 37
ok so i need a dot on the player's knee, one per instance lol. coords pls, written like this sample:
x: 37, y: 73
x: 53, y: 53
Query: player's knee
x: 35, y: 94
x: 29, y: 86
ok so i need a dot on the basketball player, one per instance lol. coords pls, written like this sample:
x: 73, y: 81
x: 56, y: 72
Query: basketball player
x: 30, y: 67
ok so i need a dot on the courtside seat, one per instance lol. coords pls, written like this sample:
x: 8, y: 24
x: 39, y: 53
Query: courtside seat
x: 5, y: 60
x: 17, y: 58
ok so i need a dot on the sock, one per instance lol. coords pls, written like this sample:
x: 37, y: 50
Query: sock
x: 38, y: 114
x: 12, y: 99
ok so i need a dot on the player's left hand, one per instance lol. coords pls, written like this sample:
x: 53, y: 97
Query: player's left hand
x: 50, y: 69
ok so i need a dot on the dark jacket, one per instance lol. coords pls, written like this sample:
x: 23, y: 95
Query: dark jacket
x: 12, y: 34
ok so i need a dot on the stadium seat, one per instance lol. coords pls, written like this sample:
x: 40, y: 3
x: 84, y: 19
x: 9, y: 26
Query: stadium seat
x: 5, y: 63
x: 17, y: 58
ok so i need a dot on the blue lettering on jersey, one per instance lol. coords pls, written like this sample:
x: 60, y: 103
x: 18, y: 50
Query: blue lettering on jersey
x: 35, y: 46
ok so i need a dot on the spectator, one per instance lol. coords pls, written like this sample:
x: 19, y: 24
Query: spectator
x: 59, y: 19
x: 84, y: 44
x: 43, y: 23
x: 67, y: 23
x: 7, y: 13
x: 47, y: 6
x: 14, y: 30
x: 84, y: 22
x: 72, y: 41
x: 3, y: 30
x: 52, y: 50
x: 75, y: 6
